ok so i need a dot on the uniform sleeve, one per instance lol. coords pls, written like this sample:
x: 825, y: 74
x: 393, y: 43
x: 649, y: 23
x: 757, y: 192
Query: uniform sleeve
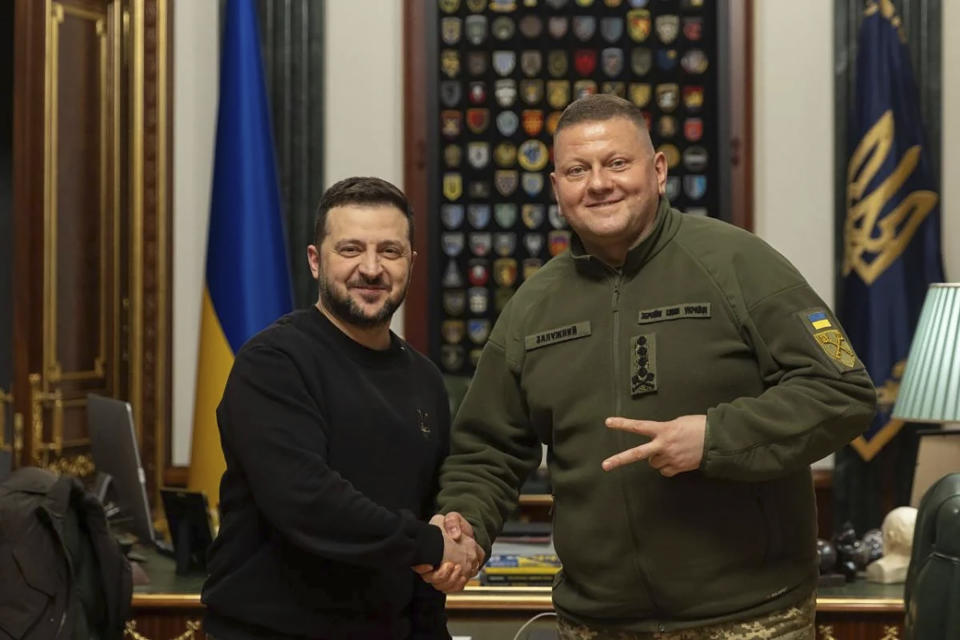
x: 818, y: 395
x: 493, y: 446
x: 274, y: 432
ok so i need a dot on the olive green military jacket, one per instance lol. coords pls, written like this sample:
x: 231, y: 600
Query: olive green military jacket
x: 703, y: 318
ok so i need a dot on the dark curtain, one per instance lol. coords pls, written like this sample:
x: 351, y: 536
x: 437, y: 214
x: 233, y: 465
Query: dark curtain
x: 292, y: 46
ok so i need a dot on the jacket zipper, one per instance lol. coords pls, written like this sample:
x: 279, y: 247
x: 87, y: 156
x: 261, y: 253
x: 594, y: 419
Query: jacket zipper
x: 615, y: 308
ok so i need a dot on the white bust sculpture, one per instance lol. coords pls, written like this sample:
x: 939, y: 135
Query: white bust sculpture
x: 897, y: 542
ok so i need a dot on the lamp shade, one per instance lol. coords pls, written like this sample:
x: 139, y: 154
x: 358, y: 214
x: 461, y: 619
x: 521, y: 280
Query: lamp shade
x: 930, y: 390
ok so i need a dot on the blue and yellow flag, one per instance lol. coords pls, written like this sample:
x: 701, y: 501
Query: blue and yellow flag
x: 247, y: 276
x: 891, y: 235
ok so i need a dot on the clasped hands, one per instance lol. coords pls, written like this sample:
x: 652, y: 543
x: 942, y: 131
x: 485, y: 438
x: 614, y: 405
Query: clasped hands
x: 462, y: 556
x: 675, y: 446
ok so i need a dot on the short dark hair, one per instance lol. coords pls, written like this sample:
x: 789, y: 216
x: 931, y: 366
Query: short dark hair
x: 601, y: 106
x: 360, y: 190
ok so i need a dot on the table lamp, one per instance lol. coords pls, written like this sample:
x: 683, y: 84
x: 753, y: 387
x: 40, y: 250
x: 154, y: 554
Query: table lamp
x: 930, y: 389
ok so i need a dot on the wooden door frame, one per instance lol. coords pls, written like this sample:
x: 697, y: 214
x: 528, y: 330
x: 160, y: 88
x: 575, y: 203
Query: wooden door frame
x: 145, y: 341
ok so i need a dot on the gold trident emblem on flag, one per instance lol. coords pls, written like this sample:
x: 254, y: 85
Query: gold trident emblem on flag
x: 871, y: 244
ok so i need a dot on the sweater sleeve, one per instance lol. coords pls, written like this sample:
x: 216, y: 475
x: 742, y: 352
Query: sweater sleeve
x: 274, y: 432
x: 493, y: 447
x: 818, y: 395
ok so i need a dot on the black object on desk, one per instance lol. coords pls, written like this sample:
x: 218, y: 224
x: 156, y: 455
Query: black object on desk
x: 190, y: 529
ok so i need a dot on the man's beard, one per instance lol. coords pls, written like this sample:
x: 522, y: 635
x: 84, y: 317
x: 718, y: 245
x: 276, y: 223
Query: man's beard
x: 345, y: 308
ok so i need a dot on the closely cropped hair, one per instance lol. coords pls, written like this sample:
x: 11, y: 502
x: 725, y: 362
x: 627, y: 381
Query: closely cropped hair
x: 362, y: 191
x: 598, y: 107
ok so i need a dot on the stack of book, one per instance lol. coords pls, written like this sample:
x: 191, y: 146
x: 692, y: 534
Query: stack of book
x: 515, y: 570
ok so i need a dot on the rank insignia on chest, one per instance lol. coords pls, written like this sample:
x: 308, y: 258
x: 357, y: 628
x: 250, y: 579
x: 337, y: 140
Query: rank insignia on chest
x: 643, y: 364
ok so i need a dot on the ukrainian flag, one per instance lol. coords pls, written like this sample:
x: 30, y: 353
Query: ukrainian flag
x: 247, y: 275
x: 819, y: 320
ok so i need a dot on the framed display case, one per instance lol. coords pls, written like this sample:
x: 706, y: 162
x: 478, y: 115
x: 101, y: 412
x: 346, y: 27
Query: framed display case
x: 486, y: 82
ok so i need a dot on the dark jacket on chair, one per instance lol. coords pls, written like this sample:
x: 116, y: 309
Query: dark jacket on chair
x: 62, y: 575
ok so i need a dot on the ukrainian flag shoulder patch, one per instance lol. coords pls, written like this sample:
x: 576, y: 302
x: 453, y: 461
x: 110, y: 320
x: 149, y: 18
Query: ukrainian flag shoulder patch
x: 829, y: 337
x: 819, y: 320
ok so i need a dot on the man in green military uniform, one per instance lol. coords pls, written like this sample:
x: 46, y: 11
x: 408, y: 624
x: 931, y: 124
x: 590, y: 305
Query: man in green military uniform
x: 684, y: 376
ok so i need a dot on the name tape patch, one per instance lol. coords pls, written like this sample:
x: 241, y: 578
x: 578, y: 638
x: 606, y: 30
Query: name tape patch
x: 674, y: 312
x: 560, y: 334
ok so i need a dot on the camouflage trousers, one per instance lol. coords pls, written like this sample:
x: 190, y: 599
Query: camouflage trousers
x: 793, y: 623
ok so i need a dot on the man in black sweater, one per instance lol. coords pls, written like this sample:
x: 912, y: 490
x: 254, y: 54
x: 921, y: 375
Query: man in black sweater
x: 333, y: 430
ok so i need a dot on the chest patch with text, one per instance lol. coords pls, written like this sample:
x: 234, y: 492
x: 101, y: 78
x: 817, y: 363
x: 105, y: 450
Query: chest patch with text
x: 674, y: 312
x: 559, y: 334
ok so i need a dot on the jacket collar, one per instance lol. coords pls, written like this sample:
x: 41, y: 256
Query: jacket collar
x: 665, y: 226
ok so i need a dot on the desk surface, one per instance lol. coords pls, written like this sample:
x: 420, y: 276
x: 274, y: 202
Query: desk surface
x: 166, y: 589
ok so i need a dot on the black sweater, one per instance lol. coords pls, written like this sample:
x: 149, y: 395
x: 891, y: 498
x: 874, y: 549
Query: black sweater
x: 332, y: 453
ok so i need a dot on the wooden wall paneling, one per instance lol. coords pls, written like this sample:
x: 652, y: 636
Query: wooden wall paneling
x: 416, y: 168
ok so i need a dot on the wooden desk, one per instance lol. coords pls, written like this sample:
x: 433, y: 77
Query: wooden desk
x: 169, y: 608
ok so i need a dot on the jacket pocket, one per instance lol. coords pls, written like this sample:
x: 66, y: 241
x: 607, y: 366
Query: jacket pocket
x: 27, y: 590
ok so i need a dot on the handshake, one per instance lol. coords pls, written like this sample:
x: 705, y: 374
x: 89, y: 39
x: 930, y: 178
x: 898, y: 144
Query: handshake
x: 462, y: 556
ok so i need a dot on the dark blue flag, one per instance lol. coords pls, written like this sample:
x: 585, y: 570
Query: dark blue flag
x: 892, y: 230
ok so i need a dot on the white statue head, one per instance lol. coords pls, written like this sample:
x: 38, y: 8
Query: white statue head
x: 898, y: 531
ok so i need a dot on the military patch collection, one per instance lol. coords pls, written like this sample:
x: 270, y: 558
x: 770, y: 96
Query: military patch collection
x: 505, y: 71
